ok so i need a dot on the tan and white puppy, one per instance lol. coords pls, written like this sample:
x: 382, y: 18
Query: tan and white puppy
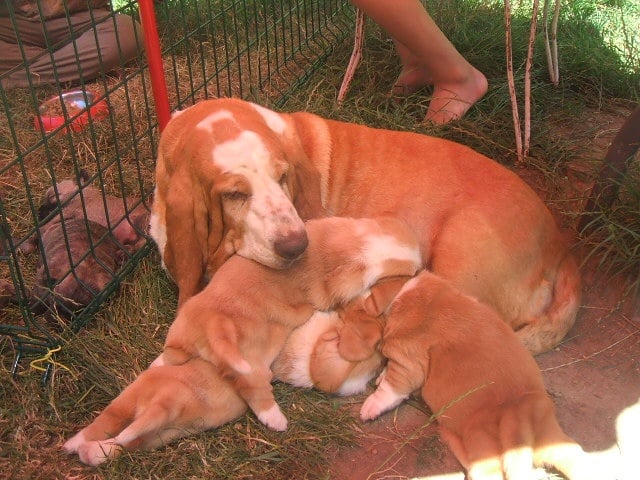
x: 241, y: 320
x: 169, y: 402
x: 484, y: 387
x: 235, y: 177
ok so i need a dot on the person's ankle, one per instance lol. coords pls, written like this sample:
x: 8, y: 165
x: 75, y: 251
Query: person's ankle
x: 452, y: 101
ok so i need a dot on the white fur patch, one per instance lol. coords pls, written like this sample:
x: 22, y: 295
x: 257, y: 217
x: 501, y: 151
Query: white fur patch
x: 273, y: 418
x: 356, y: 385
x: 158, y: 231
x: 383, y: 399
x: 207, y: 122
x: 72, y: 445
x: 300, y: 345
x: 273, y: 120
x: 379, y: 248
x: 244, y: 154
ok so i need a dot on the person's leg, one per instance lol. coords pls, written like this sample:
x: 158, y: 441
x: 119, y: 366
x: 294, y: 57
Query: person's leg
x: 428, y: 57
x: 111, y: 44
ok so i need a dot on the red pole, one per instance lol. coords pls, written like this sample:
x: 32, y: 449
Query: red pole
x: 154, y: 57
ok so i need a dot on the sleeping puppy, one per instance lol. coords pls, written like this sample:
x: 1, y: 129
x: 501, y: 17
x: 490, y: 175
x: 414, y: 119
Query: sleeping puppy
x: 84, y: 237
x: 482, y: 384
x: 169, y: 402
x: 126, y: 218
x: 241, y: 319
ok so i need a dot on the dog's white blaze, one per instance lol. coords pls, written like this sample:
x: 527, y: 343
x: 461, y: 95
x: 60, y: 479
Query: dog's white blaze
x: 242, y: 154
x: 271, y: 213
x: 379, y: 248
x: 207, y: 122
x: 273, y: 120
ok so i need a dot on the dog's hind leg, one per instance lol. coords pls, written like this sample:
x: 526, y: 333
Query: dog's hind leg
x: 145, y: 431
x: 255, y: 388
x: 516, y: 436
x: 109, y: 423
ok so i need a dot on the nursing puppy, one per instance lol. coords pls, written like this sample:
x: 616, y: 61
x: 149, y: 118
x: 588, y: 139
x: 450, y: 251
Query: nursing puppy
x: 233, y: 177
x: 482, y: 384
x: 241, y: 319
x: 169, y: 402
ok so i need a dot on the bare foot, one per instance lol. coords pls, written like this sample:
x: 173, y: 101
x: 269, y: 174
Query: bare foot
x: 411, y: 79
x: 451, y: 101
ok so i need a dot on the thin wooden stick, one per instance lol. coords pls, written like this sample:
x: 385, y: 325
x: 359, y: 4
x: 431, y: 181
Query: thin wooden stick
x: 511, y: 81
x: 527, y: 81
x: 547, y: 42
x: 356, y: 56
x: 554, y: 42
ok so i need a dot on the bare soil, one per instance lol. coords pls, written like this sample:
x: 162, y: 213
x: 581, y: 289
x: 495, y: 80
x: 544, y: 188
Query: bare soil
x: 593, y: 376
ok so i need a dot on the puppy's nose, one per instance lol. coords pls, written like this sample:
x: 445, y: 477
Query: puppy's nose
x: 292, y: 245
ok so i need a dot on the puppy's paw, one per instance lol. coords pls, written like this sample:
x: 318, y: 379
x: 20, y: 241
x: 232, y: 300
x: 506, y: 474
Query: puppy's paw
x: 96, y: 453
x: 273, y: 418
x: 380, y: 401
x: 158, y: 362
x: 71, y: 446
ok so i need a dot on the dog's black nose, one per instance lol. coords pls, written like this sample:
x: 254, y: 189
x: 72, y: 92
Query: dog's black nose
x: 292, y: 245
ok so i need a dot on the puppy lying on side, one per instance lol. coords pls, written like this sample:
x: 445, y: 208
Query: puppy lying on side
x: 172, y: 401
x: 241, y: 319
x: 475, y: 375
x: 84, y: 245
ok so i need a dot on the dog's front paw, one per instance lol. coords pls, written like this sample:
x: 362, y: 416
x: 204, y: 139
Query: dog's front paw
x: 273, y: 418
x: 380, y: 401
x: 96, y: 453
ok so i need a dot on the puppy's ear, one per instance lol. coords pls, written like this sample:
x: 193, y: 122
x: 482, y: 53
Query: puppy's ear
x: 327, y: 369
x: 383, y: 293
x: 360, y: 334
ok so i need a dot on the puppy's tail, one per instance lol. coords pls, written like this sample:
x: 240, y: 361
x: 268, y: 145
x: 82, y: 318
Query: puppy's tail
x: 547, y: 329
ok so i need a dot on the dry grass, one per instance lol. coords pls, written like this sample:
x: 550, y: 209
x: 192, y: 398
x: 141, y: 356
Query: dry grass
x: 128, y: 332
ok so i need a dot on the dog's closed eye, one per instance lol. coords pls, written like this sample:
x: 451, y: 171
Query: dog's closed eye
x: 235, y: 196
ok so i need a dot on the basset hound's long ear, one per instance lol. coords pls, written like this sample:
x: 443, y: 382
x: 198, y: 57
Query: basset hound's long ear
x: 185, y: 252
x: 383, y: 293
x: 215, y: 229
x: 306, y: 149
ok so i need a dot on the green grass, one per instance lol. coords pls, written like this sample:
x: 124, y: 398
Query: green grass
x: 599, y: 78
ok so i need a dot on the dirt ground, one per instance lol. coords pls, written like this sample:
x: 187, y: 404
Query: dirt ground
x: 593, y: 376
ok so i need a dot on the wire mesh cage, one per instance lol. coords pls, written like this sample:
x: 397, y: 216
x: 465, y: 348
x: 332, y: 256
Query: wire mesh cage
x: 77, y: 155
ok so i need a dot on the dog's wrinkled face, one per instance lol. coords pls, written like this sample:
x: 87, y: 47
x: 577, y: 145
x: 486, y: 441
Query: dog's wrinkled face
x: 253, y: 189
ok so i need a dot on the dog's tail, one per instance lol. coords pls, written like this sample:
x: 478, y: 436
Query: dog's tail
x: 547, y: 330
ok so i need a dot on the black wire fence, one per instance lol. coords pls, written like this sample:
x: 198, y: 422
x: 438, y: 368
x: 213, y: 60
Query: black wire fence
x: 77, y: 158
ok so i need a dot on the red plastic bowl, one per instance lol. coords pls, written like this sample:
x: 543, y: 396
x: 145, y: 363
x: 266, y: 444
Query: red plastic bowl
x: 79, y: 106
